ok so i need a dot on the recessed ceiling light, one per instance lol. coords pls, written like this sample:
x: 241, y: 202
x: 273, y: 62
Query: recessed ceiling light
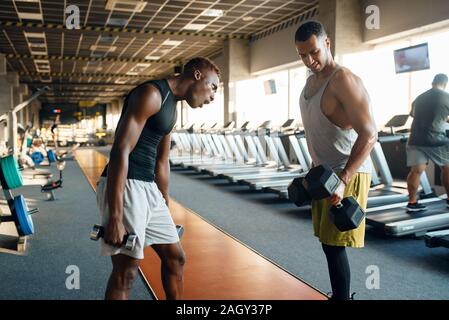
x: 195, y: 26
x: 247, y: 18
x: 173, y: 43
x: 150, y: 57
x: 102, y: 48
x: 30, y: 16
x: 213, y: 41
x: 138, y: 68
x: 212, y: 13
x: 126, y: 5
x: 120, y: 81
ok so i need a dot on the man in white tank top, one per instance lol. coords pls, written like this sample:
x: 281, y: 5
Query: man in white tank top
x: 340, y: 132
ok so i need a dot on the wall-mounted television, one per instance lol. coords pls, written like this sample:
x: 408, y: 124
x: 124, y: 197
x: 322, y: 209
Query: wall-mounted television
x: 269, y: 87
x: 412, y: 58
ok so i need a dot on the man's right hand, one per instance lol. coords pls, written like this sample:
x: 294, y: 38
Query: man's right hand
x: 114, y: 232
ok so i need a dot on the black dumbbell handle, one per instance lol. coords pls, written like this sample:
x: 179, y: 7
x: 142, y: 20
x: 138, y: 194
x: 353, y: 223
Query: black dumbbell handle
x: 101, y: 235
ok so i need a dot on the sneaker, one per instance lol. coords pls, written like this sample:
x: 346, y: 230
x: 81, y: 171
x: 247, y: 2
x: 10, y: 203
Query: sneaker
x: 415, y: 207
x: 329, y: 296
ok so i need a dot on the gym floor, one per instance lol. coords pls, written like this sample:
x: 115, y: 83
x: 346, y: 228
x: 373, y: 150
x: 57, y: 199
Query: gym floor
x: 275, y: 229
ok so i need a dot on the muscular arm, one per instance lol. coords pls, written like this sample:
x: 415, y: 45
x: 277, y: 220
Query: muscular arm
x: 163, y: 166
x: 354, y: 98
x: 142, y: 104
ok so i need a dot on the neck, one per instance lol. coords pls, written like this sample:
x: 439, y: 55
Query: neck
x: 178, y: 86
x: 328, y: 69
x: 436, y: 86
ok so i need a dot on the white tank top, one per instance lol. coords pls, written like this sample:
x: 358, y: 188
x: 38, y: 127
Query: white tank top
x: 327, y: 143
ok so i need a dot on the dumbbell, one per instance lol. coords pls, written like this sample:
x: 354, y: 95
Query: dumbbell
x: 180, y: 230
x: 320, y: 183
x: 129, y: 240
x: 297, y: 193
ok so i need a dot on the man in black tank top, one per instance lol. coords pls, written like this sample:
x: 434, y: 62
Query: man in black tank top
x: 132, y: 193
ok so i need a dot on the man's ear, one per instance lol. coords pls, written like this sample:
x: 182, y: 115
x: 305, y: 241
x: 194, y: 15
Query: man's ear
x: 328, y: 42
x: 197, y: 74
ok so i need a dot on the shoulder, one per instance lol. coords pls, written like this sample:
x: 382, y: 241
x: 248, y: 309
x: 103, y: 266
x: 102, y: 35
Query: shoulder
x: 148, y: 91
x: 145, y: 100
x: 345, y: 77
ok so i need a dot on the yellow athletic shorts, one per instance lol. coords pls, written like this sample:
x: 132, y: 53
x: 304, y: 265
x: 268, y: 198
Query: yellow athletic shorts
x: 323, y: 227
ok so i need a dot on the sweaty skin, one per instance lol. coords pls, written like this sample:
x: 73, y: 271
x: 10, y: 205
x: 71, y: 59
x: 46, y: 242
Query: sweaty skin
x: 345, y: 103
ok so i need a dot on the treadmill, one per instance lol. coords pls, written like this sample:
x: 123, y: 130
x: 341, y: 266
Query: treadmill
x: 437, y: 239
x: 394, y: 219
x: 277, y: 153
x: 262, y: 164
x: 277, y: 179
x: 213, y: 140
x: 241, y: 156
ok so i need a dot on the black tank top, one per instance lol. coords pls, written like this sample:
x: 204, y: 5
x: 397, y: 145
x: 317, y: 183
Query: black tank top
x: 142, y: 160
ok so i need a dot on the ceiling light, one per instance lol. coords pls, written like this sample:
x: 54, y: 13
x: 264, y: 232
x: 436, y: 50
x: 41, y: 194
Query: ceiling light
x: 172, y: 43
x: 247, y: 18
x: 212, y: 13
x: 138, y: 68
x: 195, y: 26
x: 150, y: 57
x: 126, y: 5
x: 102, y: 48
x: 120, y: 81
x: 30, y: 16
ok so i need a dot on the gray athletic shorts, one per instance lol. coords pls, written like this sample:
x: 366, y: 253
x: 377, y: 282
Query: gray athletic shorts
x: 417, y: 155
x: 145, y: 214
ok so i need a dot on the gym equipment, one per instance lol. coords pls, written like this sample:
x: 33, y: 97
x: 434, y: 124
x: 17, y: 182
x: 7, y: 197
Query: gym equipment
x: 11, y: 176
x: 37, y: 157
x: 53, y: 185
x: 20, y: 215
x: 320, y: 183
x: 180, y: 230
x: 51, y: 156
x: 437, y: 239
x: 297, y: 193
x: 394, y: 219
x: 129, y: 240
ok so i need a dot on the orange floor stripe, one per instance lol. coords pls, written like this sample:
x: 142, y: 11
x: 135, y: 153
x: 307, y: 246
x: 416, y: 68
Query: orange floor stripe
x: 218, y: 266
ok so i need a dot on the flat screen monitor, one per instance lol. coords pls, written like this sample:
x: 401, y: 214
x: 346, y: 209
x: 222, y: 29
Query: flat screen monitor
x: 412, y: 58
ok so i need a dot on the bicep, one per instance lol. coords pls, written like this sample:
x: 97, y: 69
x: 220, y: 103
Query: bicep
x: 355, y: 100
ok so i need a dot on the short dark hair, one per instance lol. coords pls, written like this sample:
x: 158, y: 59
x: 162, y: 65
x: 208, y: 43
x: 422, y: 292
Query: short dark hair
x: 308, y: 29
x: 440, y: 78
x: 200, y: 63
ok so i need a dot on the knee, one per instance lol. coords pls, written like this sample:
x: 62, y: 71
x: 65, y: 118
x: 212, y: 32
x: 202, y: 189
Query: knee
x: 177, y: 260
x: 417, y: 170
x: 124, y: 278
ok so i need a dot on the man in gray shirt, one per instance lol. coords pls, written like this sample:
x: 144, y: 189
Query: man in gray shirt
x: 428, y: 139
